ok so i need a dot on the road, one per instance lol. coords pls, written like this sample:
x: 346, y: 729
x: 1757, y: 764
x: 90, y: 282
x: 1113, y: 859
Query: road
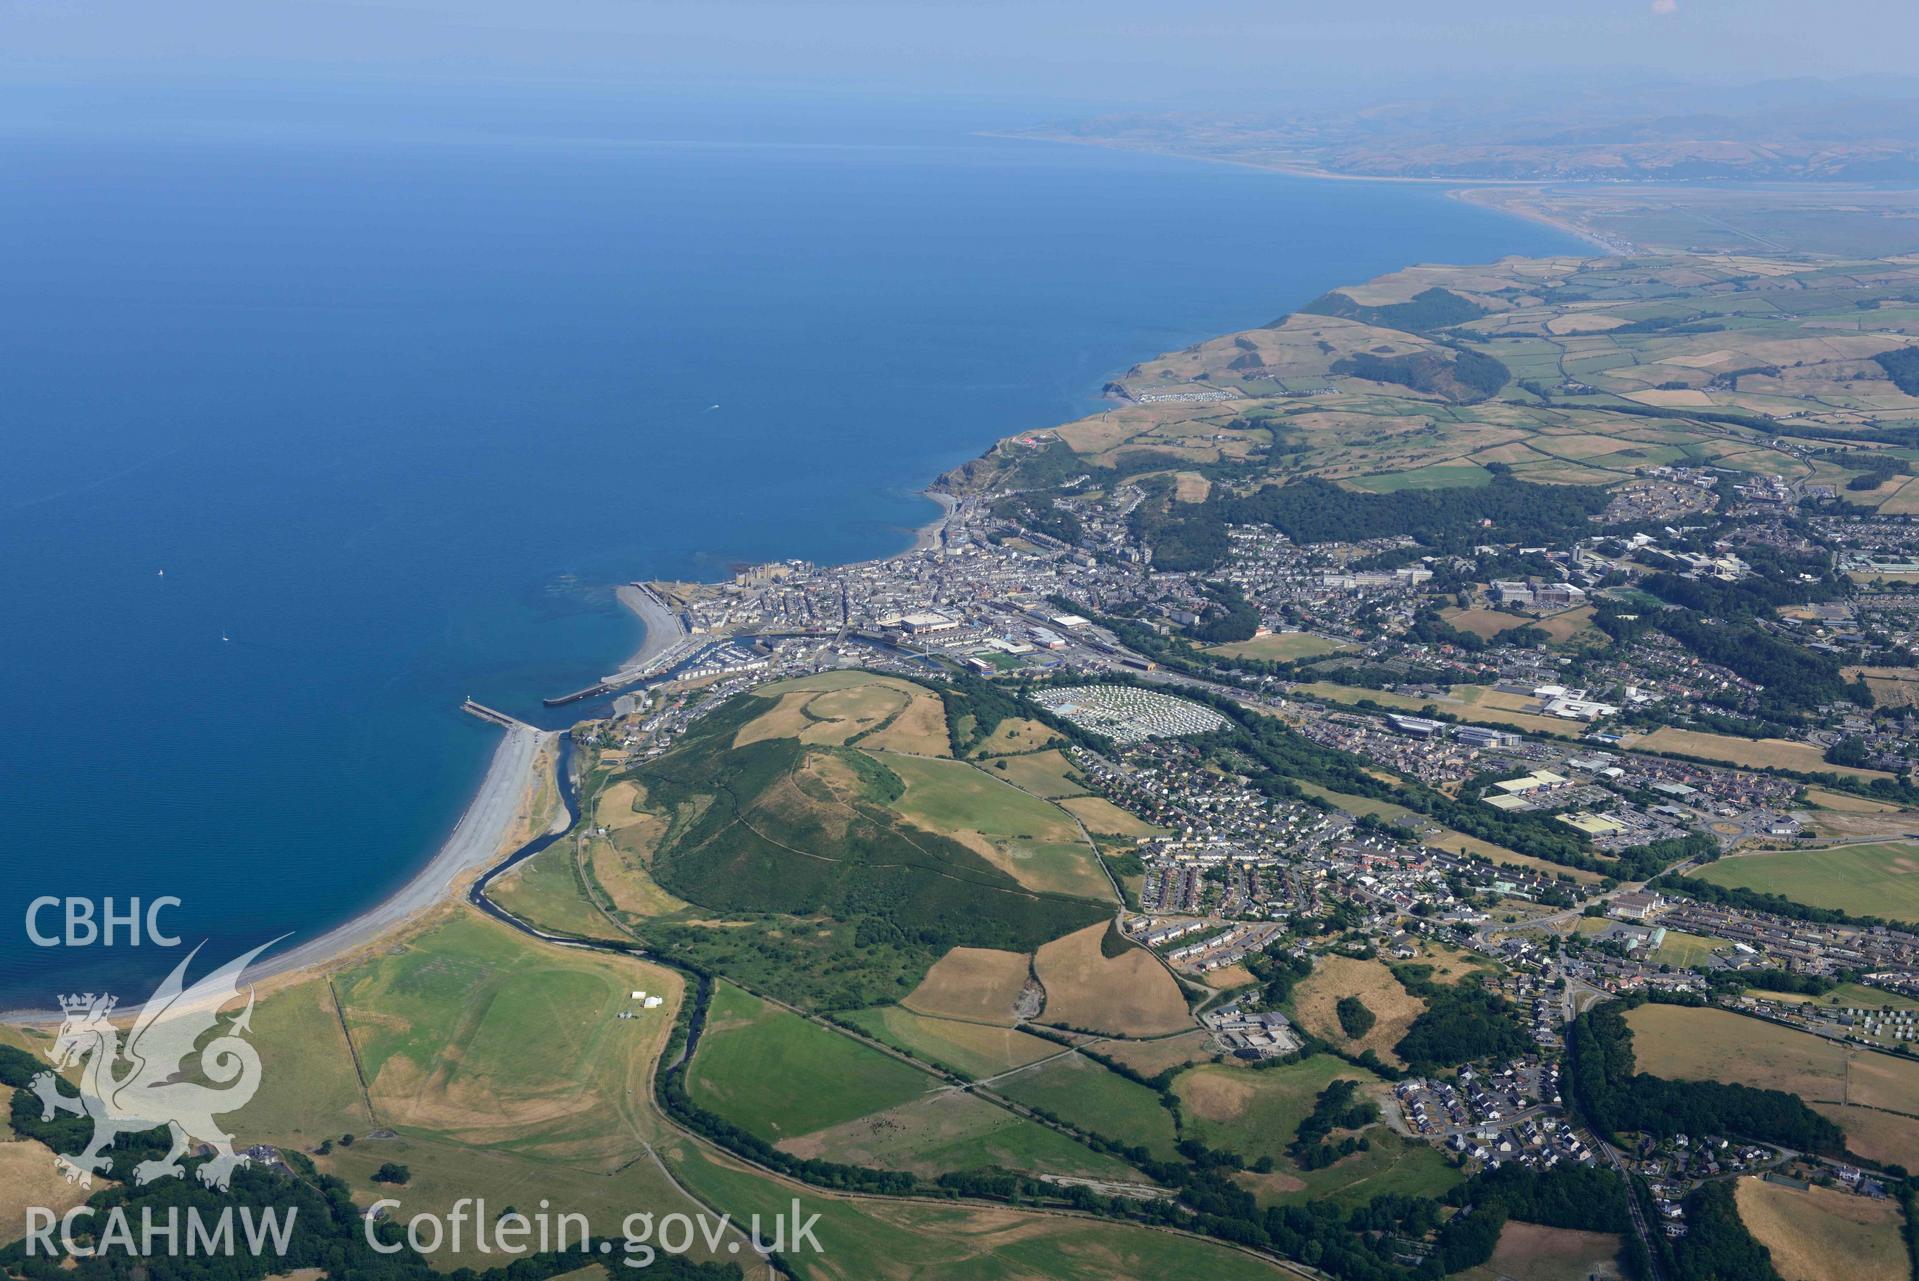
x: 1639, y: 1224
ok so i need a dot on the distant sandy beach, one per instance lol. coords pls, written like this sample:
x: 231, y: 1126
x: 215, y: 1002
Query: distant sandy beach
x: 1483, y: 192
x: 1509, y: 200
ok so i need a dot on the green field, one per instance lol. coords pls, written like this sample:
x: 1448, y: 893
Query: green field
x: 1684, y: 951
x: 1362, y: 805
x: 467, y: 1032
x: 443, y: 1174
x: 874, y: 1240
x: 1407, y: 1167
x: 470, y: 1001
x: 485, y: 1090
x: 954, y: 1130
x: 1280, y: 647
x: 1435, y: 476
x: 546, y: 891
x: 778, y: 1076
x: 973, y: 1049
x: 465, y: 986
x: 459, y: 1025
x: 308, y: 1091
x: 1869, y: 880
x: 1255, y: 1113
x: 1086, y: 1095
x: 945, y: 796
x: 1047, y: 774
x: 1031, y: 839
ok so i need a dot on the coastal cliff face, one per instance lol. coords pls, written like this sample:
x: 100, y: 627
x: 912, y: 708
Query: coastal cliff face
x: 975, y: 475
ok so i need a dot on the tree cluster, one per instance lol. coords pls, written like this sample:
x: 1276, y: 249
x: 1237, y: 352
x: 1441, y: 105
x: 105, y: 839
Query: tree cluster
x: 1461, y: 1025
x: 1614, y: 1097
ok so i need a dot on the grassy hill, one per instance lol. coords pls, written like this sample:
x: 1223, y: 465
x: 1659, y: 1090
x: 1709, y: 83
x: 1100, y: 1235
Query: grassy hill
x: 814, y: 840
x: 777, y: 825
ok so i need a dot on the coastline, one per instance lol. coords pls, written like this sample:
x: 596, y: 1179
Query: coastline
x: 658, y: 621
x: 484, y: 827
x: 484, y: 832
x: 1269, y: 166
x: 1474, y: 191
x: 928, y: 536
x: 1489, y: 198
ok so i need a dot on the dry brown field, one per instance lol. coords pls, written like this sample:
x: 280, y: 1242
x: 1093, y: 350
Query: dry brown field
x: 1483, y: 623
x: 1393, y: 1007
x: 1778, y: 753
x: 1227, y: 977
x: 1191, y: 487
x: 1125, y: 995
x: 1569, y: 625
x: 1160, y: 1055
x: 974, y: 983
x: 1280, y: 647
x: 1718, y: 1045
x: 920, y: 729
x: 1890, y: 686
x: 1819, y: 1234
x: 1707, y: 1044
x: 1845, y: 803
x: 1529, y: 1252
x: 620, y: 867
x: 1460, y: 843
x: 833, y: 707
x: 1103, y: 818
x: 1450, y: 967
x: 28, y: 1178
x: 1877, y: 1136
x: 1016, y: 734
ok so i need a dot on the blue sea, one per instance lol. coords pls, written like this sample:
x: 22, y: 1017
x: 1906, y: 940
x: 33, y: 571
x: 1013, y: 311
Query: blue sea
x: 316, y: 418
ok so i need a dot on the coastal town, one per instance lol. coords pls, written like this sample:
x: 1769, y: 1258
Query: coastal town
x: 1547, y: 769
x: 938, y: 642
x: 1232, y: 871
x: 1199, y: 828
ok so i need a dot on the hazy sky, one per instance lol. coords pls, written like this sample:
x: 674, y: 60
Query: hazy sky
x: 1109, y: 52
